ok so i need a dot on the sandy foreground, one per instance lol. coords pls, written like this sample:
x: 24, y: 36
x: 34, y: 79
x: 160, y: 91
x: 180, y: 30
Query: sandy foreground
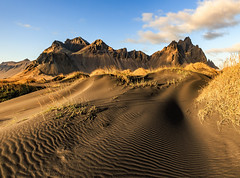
x: 133, y: 132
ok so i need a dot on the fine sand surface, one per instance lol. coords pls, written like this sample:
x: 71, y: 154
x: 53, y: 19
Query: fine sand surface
x: 135, y: 132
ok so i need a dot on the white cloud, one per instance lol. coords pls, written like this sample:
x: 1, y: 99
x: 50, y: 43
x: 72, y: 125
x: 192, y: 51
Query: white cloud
x: 210, y: 16
x: 24, y: 25
x: 147, y: 17
x: 233, y: 49
x: 27, y: 26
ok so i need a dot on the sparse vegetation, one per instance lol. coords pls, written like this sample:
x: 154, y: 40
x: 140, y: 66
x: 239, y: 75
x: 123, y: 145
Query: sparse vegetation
x: 126, y: 77
x: 74, y: 110
x: 144, y: 83
x: 70, y: 77
x: 173, y: 82
x: 138, y: 79
x: 202, y: 68
x: 221, y: 96
x: 74, y: 76
x: 58, y: 78
x: 10, y: 90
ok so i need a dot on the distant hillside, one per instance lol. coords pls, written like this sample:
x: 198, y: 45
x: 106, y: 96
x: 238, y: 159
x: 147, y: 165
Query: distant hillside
x: 9, y: 69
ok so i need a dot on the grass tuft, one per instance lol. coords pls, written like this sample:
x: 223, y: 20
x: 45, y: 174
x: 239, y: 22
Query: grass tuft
x: 222, y: 95
x: 75, y: 110
x: 10, y: 90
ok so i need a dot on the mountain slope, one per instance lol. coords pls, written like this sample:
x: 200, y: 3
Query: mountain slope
x: 100, y: 55
x: 9, y: 69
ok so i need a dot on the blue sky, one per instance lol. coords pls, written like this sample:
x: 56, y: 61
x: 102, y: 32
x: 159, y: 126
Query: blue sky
x: 30, y: 26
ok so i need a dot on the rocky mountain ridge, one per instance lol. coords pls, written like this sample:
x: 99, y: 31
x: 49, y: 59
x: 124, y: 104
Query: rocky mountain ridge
x: 79, y: 55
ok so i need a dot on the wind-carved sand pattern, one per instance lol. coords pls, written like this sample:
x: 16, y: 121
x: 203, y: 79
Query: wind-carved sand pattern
x: 114, y: 129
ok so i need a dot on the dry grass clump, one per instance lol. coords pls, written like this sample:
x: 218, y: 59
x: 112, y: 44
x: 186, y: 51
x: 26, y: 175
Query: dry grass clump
x: 70, y: 77
x: 58, y: 77
x: 71, y: 111
x: 202, y: 68
x: 143, y: 83
x: 72, y: 115
x: 183, y: 73
x: 111, y: 70
x: 134, y: 81
x: 126, y: 77
x: 68, y: 112
x: 188, y: 69
x: 11, y: 90
x: 222, y: 95
x: 138, y: 79
x: 140, y: 71
x: 75, y: 76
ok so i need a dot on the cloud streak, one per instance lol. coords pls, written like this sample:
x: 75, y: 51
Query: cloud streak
x: 212, y: 16
x: 210, y: 35
x: 28, y: 26
x: 233, y: 49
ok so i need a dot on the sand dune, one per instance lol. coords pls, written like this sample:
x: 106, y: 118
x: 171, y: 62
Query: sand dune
x: 117, y: 130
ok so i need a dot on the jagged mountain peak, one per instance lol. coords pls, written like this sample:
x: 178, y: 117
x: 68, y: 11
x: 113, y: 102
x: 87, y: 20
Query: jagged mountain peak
x: 75, y: 44
x: 173, y: 44
x: 56, y: 46
x: 26, y: 60
x: 69, y: 46
x: 188, y: 40
x: 186, y: 44
x: 98, y: 46
x: 100, y: 43
x: 57, y: 43
x: 179, y: 53
x: 77, y: 40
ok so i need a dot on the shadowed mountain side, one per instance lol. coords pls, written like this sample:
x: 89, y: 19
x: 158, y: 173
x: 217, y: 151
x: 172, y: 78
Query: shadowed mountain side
x: 52, y: 64
x: 90, y: 62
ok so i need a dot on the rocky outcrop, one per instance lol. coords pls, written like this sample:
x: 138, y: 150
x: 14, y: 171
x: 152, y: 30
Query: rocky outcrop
x: 75, y: 44
x: 9, y: 69
x: 69, y: 46
x: 53, y: 64
x: 178, y: 53
x: 78, y: 55
x: 211, y: 64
